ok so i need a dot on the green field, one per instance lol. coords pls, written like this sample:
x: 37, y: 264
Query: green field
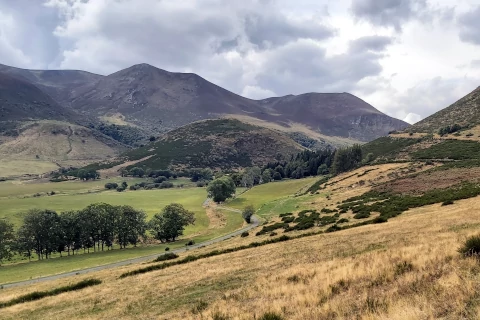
x: 263, y: 196
x: 16, y: 198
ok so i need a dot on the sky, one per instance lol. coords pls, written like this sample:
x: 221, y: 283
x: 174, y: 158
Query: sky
x: 408, y: 58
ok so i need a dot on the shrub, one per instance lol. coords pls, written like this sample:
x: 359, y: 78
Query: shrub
x: 165, y: 185
x: 201, y: 184
x: 167, y: 249
x: 447, y: 203
x: 166, y: 256
x: 403, y: 267
x: 333, y: 228
x: 120, y: 189
x: 380, y: 220
x: 281, y: 215
x: 471, y: 247
x: 343, y: 220
x: 271, y: 316
x: 244, y: 234
x: 111, y: 185
x: 273, y: 234
x: 160, y: 179
x: 288, y: 219
x: 199, y: 307
x: 190, y: 243
x: 37, y: 295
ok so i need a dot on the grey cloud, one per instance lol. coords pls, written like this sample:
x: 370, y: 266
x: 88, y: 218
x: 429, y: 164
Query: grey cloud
x: 387, y: 13
x: 475, y: 64
x: 373, y: 43
x: 286, y: 70
x: 32, y: 34
x: 266, y: 30
x: 469, y: 23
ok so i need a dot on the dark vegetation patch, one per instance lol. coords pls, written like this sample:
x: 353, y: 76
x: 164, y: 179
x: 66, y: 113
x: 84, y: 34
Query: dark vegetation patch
x: 388, y: 147
x: 318, y: 185
x: 125, y: 134
x: 166, y: 256
x: 450, y: 149
x: 37, y: 295
x: 471, y: 247
x: 390, y: 205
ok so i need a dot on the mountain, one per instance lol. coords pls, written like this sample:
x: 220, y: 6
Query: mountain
x: 21, y: 100
x: 465, y: 111
x: 158, y: 101
x: 221, y: 143
x: 61, y: 85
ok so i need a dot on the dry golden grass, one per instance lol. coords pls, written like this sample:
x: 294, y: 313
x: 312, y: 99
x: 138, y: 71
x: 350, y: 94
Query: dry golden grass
x: 407, y: 268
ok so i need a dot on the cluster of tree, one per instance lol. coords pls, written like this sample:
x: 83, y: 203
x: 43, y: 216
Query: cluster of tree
x: 83, y: 174
x: 347, y: 159
x: 198, y: 174
x: 115, y: 186
x: 125, y: 134
x: 96, y: 227
x: 158, y: 184
x: 449, y: 129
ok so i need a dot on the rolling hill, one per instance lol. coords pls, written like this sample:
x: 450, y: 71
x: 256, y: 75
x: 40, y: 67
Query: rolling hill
x: 222, y: 143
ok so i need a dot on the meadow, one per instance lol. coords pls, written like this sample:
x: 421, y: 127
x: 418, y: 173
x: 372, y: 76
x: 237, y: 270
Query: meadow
x: 16, y: 197
x: 408, y: 268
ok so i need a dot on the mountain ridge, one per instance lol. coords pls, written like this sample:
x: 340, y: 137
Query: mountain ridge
x: 161, y: 100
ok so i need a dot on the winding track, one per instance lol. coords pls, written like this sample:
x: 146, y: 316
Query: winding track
x: 255, y: 223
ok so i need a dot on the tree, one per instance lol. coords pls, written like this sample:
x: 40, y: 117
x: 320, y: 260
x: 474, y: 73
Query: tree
x: 248, y: 212
x: 322, y: 170
x: 369, y: 158
x: 347, y: 159
x: 221, y: 189
x: 131, y: 225
x: 137, y: 172
x: 280, y: 170
x: 277, y: 176
x: 267, y: 175
x: 71, y: 227
x: 170, y: 223
x: 251, y: 177
x: 44, y: 228
x: 7, y: 237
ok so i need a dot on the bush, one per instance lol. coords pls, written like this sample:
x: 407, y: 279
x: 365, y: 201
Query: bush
x: 165, y: 185
x: 37, y: 295
x: 273, y: 234
x: 471, y: 247
x: 160, y: 179
x: 380, y: 220
x: 111, y: 185
x: 167, y: 249
x: 271, y: 316
x: 120, y: 189
x: 190, y: 243
x: 447, y: 203
x: 244, y: 234
x: 201, y: 184
x: 288, y: 219
x: 166, y: 256
x: 343, y: 220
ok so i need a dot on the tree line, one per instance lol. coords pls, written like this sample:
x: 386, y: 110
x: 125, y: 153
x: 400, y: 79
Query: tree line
x: 95, y: 228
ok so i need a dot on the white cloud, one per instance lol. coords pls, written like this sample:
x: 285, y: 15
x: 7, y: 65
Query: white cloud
x: 412, y: 118
x: 261, y: 48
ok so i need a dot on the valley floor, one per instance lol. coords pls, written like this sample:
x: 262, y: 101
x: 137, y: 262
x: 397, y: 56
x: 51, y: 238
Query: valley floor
x: 407, y: 268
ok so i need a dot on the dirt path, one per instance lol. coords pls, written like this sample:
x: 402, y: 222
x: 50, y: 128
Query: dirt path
x: 69, y: 139
x: 255, y: 223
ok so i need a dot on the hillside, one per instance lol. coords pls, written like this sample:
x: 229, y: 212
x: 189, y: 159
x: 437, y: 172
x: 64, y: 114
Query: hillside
x: 158, y: 101
x: 61, y: 85
x: 465, y: 111
x: 21, y: 100
x: 223, y: 143
x: 53, y: 142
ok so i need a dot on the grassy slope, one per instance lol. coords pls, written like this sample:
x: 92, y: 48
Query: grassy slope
x: 407, y: 268
x: 262, y: 195
x: 76, y: 195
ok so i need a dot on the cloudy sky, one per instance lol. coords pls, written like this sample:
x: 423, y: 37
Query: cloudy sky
x: 408, y: 58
